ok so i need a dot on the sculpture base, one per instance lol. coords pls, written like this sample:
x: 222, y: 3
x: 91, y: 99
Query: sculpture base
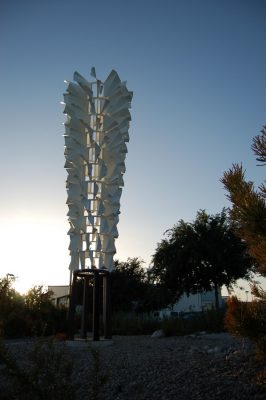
x: 100, y: 281
x: 89, y: 342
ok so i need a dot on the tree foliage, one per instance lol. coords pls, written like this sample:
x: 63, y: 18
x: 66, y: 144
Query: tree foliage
x: 132, y: 288
x: 128, y: 284
x: 248, y: 213
x: 199, y: 256
x: 44, y: 317
x: 38, y: 298
x: 32, y: 314
x: 249, y: 204
x: 10, y: 300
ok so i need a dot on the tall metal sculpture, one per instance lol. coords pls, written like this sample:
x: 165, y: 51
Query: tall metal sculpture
x: 96, y: 133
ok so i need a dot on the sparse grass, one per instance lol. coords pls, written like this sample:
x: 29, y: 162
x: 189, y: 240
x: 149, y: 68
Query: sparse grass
x: 144, y: 324
x: 45, y: 373
x: 98, y: 377
x: 133, y: 324
x: 209, y: 321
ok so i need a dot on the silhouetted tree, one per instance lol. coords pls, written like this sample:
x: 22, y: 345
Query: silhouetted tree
x: 44, y: 316
x: 131, y: 288
x: 199, y: 256
x: 9, y: 298
x: 38, y: 298
x: 11, y: 304
x: 128, y: 285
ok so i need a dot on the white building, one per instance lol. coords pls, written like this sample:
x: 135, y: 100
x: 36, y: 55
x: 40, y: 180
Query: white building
x: 60, y: 294
x: 198, y: 302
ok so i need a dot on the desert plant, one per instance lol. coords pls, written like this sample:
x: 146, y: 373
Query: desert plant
x: 45, y: 373
x: 98, y: 377
x: 248, y: 320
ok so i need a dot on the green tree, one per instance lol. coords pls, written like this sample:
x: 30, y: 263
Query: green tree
x: 199, y: 256
x: 11, y: 303
x: 38, y: 298
x: 131, y: 288
x: 128, y: 285
x: 7, y: 294
x: 44, y: 316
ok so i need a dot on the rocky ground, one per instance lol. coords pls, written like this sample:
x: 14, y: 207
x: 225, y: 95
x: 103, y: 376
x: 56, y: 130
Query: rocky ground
x: 195, y: 367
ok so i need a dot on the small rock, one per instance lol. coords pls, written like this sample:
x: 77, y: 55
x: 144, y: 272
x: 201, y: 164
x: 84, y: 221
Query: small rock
x: 214, y: 350
x: 158, y: 334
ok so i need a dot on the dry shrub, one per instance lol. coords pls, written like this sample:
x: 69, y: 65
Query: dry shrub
x: 248, y: 320
x: 45, y: 372
x: 60, y: 336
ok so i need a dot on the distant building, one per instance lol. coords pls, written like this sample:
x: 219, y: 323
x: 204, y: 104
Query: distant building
x: 60, y: 295
x: 198, y: 302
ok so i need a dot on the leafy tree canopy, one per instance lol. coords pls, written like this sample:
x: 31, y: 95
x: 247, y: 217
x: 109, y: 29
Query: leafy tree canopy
x: 9, y: 298
x: 128, y: 285
x: 200, y: 255
x: 38, y: 298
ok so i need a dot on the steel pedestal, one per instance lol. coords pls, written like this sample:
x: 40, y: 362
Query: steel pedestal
x: 100, y: 280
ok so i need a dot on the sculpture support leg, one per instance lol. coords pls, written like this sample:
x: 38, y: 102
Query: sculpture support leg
x: 101, y: 291
x: 85, y: 306
x: 106, y: 307
x: 96, y: 307
x: 72, y: 307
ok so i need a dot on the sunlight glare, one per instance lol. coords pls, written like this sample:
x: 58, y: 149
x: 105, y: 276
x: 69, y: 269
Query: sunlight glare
x: 33, y: 250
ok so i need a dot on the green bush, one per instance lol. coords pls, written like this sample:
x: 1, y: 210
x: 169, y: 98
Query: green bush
x: 174, y: 327
x: 17, y: 325
x: 26, y: 322
x: 48, y: 321
x: 213, y: 320
x: 31, y: 315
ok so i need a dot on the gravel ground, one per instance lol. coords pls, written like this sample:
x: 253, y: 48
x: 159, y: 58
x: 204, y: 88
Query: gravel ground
x: 195, y: 367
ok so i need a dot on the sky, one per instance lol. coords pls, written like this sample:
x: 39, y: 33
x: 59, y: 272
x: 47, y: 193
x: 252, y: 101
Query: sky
x: 197, y: 70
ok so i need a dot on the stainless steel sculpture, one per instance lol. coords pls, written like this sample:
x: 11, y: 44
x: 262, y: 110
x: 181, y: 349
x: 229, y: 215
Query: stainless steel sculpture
x: 96, y: 133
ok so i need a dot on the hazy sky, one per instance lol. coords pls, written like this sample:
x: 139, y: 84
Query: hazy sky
x: 197, y: 70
